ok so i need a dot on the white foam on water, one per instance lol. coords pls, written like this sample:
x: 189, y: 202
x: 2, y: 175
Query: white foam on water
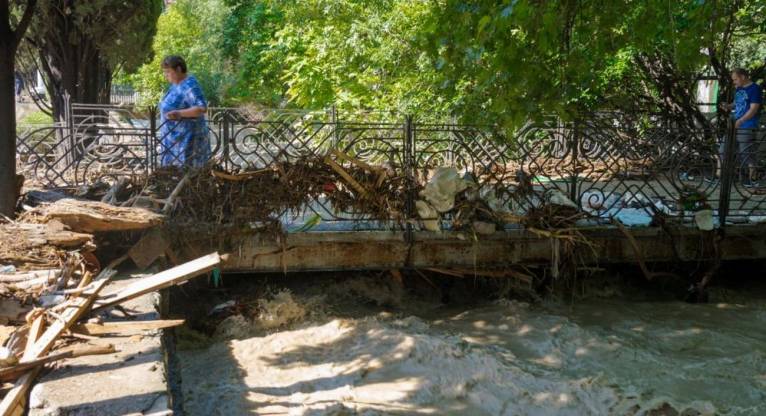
x: 504, y: 359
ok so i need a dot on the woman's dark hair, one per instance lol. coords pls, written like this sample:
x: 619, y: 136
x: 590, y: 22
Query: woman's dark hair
x: 174, y: 62
x: 741, y: 72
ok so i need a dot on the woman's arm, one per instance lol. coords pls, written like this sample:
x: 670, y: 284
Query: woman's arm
x: 191, y: 112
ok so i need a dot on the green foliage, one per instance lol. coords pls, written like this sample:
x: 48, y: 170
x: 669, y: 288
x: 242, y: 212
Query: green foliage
x: 247, y: 39
x: 192, y: 29
x: 498, y: 61
x: 35, y: 118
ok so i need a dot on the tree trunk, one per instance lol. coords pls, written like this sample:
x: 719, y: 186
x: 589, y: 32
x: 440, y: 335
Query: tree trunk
x: 76, y: 68
x: 8, y: 181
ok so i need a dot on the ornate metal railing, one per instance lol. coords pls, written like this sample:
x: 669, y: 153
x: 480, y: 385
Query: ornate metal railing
x: 610, y: 166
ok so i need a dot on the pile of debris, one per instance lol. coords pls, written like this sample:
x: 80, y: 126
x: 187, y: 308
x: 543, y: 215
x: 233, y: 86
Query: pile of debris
x: 213, y: 195
x: 52, y: 287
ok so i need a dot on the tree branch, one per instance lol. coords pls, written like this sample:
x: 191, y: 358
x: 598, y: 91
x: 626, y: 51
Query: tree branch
x: 24, y: 22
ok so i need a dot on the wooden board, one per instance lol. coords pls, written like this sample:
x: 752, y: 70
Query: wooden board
x: 128, y: 327
x: 159, y: 281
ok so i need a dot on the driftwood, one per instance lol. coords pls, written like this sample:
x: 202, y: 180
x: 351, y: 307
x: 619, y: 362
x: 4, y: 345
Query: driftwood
x: 91, y: 216
x: 345, y: 175
x: 649, y: 275
x: 170, y: 202
x: 239, y: 176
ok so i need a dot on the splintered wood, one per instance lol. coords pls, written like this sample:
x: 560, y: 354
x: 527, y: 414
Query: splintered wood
x: 92, y: 216
x: 38, y: 246
x: 47, y: 324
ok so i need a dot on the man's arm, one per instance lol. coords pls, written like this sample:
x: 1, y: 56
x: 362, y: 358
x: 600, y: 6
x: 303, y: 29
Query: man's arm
x: 751, y: 112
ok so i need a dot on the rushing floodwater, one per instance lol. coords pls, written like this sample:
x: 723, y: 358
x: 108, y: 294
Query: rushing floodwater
x: 505, y: 358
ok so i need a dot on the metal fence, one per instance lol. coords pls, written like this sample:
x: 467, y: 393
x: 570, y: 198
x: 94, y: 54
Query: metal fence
x: 123, y: 94
x: 609, y: 165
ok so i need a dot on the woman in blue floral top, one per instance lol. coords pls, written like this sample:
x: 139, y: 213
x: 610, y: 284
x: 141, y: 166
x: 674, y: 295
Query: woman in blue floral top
x: 183, y: 130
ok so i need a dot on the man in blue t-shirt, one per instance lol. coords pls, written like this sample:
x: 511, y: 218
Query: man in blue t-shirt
x: 746, y: 113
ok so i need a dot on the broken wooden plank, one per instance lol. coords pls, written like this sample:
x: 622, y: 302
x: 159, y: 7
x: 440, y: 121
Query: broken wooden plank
x: 361, y: 164
x: 160, y: 280
x: 76, y: 308
x: 14, y: 401
x: 348, y: 178
x: 13, y: 372
x: 151, y: 246
x: 35, y: 330
x: 127, y: 327
x: 92, y: 216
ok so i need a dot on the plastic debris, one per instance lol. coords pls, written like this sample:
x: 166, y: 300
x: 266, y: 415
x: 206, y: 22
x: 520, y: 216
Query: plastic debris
x: 222, y: 307
x: 704, y: 219
x: 428, y: 215
x: 635, y: 200
x: 634, y: 217
x: 46, y: 301
x: 556, y: 197
x: 440, y: 191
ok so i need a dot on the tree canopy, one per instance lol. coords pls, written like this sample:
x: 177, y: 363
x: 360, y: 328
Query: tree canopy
x: 499, y: 61
x: 78, y: 45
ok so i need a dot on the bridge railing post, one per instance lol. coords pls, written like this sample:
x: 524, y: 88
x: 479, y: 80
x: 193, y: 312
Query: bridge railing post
x: 226, y: 133
x: 728, y: 170
x: 410, y: 171
x: 574, y: 146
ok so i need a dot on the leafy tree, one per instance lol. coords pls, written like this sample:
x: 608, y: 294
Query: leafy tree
x: 497, y: 61
x: 79, y: 44
x: 357, y: 54
x: 194, y: 30
x: 510, y: 59
x: 248, y: 31
x: 14, y: 20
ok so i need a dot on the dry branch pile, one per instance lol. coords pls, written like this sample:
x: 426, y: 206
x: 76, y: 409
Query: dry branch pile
x: 213, y: 195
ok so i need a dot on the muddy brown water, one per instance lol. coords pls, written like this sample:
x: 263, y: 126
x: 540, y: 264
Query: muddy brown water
x: 358, y: 345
